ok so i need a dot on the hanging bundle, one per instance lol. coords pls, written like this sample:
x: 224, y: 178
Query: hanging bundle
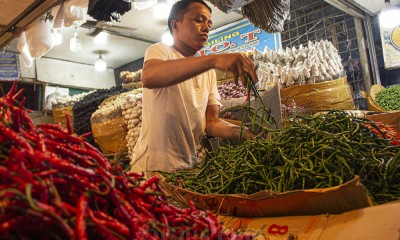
x: 108, y: 10
x: 269, y: 15
x: 229, y: 5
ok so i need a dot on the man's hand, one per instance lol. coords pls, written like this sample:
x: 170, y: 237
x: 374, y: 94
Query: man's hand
x: 238, y: 64
x: 250, y: 135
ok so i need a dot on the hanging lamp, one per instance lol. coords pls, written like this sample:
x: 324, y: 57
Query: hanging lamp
x: 389, y: 17
x: 100, y: 65
x: 57, y: 36
x: 75, y: 44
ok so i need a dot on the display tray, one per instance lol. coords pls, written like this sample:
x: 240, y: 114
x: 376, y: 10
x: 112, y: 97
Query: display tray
x: 346, y: 197
x: 370, y: 223
x: 391, y: 119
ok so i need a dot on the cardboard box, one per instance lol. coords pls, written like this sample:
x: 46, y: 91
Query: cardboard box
x: 371, y: 223
x: 346, y: 197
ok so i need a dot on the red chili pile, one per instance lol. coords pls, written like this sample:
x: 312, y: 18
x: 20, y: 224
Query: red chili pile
x: 386, y: 132
x: 54, y: 185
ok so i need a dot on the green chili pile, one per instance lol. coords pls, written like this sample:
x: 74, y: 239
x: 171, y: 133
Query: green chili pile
x: 313, y: 152
x: 389, y: 98
x: 54, y: 185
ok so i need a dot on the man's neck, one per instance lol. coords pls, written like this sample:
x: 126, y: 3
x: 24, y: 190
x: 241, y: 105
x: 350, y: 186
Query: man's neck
x: 184, y: 50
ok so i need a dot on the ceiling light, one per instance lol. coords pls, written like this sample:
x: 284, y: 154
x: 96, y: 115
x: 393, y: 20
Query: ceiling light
x: 75, y: 44
x: 57, y: 36
x: 167, y: 38
x: 100, y: 65
x: 161, y: 9
x: 389, y: 16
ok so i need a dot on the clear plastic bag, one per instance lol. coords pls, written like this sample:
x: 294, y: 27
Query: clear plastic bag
x: 70, y: 13
x: 58, y: 12
x: 75, y: 12
x: 39, y: 38
x: 23, y: 48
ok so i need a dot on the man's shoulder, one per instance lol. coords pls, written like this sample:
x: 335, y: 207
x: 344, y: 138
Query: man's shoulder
x: 158, y: 51
x: 159, y: 45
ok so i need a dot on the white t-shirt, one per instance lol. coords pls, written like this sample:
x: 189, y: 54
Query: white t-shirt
x: 173, y: 118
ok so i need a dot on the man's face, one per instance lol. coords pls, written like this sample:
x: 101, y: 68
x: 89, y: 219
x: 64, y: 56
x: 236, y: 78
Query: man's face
x: 192, y: 31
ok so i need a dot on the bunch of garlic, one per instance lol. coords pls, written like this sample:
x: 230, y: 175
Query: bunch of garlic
x: 318, y: 62
x: 130, y: 77
x: 132, y: 112
x: 110, y: 109
x: 67, y: 101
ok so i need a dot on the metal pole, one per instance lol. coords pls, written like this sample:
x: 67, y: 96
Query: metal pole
x: 371, y: 50
x: 362, y: 50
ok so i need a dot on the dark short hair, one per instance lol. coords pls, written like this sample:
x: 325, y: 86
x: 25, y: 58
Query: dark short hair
x: 180, y: 8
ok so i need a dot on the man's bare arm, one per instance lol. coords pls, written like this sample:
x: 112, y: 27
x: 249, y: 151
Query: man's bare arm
x: 158, y: 73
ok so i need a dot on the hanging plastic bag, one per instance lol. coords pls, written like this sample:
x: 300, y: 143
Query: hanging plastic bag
x: 51, y: 98
x: 58, y: 11
x: 23, y: 48
x: 70, y: 13
x: 75, y: 16
x: 78, y: 3
x: 75, y: 12
x: 39, y: 38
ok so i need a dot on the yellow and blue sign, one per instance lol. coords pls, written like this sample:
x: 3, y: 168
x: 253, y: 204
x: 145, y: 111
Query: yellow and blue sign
x: 391, y: 46
x: 395, y: 37
x: 238, y: 37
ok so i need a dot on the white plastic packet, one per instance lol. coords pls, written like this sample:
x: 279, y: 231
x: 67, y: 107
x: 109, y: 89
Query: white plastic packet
x: 23, y: 48
x: 58, y: 12
x: 39, y: 38
x: 75, y: 12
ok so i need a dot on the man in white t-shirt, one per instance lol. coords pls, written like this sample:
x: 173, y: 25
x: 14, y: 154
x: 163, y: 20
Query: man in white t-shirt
x: 180, y: 97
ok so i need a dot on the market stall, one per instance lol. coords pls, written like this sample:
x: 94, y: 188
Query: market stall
x: 320, y: 168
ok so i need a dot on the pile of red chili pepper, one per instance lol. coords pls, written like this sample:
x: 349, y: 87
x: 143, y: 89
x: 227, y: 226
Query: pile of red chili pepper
x: 385, y: 132
x: 54, y: 185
